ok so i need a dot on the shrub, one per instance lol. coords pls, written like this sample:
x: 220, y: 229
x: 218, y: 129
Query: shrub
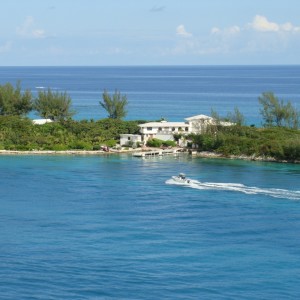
x: 291, y: 151
x: 111, y: 143
x: 81, y: 145
x: 58, y: 147
x: 169, y: 143
x: 154, y: 143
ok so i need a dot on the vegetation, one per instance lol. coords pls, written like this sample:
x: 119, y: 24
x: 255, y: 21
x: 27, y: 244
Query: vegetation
x: 276, y: 113
x: 236, y: 117
x: 279, y: 139
x: 277, y: 142
x: 20, y: 134
x: 13, y: 102
x: 160, y: 143
x: 115, y: 105
x: 53, y: 105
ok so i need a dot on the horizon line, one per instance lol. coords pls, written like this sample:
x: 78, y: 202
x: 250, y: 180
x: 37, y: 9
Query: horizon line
x: 167, y: 65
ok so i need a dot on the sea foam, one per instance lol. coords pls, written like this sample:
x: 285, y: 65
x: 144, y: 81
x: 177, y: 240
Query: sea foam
x: 238, y: 187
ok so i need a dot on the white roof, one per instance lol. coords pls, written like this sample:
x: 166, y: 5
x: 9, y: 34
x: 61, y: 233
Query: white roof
x: 164, y: 124
x: 41, y: 121
x: 198, y: 117
x: 129, y: 135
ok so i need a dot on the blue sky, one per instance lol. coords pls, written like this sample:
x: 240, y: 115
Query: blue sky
x: 149, y: 32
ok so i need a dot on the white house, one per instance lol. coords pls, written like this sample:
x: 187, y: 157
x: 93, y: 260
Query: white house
x: 162, y: 130
x: 130, y: 139
x: 41, y: 121
x: 165, y: 130
x: 199, y: 123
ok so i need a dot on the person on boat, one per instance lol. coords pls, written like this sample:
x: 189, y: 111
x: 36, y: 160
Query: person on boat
x: 181, y: 176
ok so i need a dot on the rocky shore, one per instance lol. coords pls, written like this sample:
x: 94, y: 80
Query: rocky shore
x: 205, y: 154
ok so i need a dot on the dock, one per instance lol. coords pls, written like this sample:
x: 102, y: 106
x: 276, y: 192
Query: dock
x: 160, y: 152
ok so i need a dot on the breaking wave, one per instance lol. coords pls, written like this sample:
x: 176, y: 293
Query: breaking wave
x: 237, y: 187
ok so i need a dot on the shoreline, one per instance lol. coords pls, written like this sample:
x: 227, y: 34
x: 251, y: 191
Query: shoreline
x: 74, y: 152
x: 62, y: 152
x: 205, y: 154
x: 202, y: 154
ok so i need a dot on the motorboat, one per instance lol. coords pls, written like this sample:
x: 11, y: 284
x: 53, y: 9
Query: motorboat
x: 181, y: 178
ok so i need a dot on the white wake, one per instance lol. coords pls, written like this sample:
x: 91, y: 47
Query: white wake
x: 237, y: 187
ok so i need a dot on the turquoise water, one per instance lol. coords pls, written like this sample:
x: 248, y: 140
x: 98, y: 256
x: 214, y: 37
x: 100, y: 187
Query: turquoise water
x: 109, y: 227
x: 116, y: 227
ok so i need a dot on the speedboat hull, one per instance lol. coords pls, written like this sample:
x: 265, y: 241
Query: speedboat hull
x: 180, y: 179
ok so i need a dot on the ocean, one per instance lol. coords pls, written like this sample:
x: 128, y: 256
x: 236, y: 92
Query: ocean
x: 117, y: 227
x: 173, y: 93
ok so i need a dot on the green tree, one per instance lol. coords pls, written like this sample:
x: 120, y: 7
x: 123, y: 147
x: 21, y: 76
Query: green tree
x: 236, y: 117
x: 276, y: 113
x: 115, y: 105
x: 54, y: 105
x: 214, y: 114
x: 14, y: 102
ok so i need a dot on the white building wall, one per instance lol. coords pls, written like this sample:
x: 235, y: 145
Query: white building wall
x: 160, y: 130
x: 126, y: 139
x: 165, y: 136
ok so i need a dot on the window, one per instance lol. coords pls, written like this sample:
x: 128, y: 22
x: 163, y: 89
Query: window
x: 173, y: 128
x: 149, y: 128
x: 159, y: 129
x: 186, y: 129
x: 128, y: 138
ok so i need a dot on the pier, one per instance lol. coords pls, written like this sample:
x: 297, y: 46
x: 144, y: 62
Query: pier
x: 160, y: 152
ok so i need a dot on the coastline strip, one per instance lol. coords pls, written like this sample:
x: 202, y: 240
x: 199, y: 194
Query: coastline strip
x: 63, y: 152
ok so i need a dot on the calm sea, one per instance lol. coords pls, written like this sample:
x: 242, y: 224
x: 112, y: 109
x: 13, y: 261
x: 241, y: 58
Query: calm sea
x: 174, y: 93
x: 117, y: 227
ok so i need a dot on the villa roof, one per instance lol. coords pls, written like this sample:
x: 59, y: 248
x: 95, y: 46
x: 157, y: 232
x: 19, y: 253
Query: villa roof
x: 198, y: 117
x: 41, y: 121
x: 164, y: 124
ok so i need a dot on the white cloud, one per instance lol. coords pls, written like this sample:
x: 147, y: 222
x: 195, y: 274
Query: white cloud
x: 29, y: 30
x: 258, y: 37
x: 6, y: 47
x: 39, y: 33
x: 180, y: 30
x: 226, y: 31
x: 262, y: 24
x: 215, y: 30
x: 234, y: 30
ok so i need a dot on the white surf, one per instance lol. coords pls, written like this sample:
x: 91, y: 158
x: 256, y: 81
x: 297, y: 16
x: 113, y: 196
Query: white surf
x: 238, y: 187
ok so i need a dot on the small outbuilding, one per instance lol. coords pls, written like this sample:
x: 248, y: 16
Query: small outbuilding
x: 130, y: 139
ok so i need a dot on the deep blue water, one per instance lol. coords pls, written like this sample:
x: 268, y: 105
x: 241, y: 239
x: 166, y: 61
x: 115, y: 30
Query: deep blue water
x: 110, y: 227
x: 174, y: 93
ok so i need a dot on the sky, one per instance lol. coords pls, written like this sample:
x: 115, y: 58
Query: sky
x: 149, y: 32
